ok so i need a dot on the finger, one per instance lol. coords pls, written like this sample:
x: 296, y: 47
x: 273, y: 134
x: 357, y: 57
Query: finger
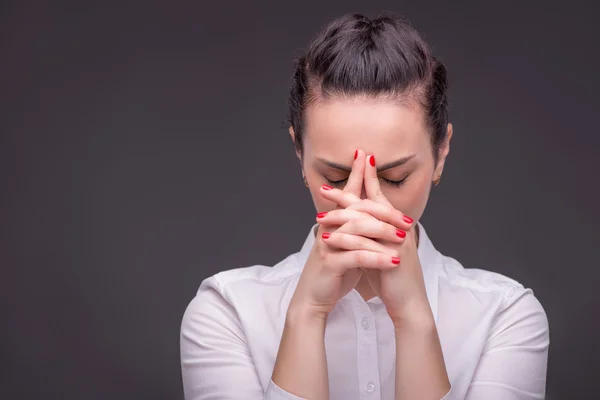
x: 340, y: 197
x: 384, y: 212
x: 374, y: 229
x: 340, y: 216
x: 372, y: 181
x: 345, y: 241
x: 348, y: 259
x: 356, y: 177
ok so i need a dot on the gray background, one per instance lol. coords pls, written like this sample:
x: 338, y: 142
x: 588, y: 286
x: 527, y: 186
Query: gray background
x: 143, y: 148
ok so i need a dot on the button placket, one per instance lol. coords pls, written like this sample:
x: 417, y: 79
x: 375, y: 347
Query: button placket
x: 370, y: 388
x: 365, y: 323
x: 367, y: 352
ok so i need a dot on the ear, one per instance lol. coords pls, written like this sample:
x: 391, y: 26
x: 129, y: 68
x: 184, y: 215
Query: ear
x: 444, y: 150
x: 293, y: 136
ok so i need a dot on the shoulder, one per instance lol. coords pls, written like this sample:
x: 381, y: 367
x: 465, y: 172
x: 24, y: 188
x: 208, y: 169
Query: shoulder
x: 493, y: 330
x: 255, y: 278
x: 230, y: 296
x: 488, y: 297
x: 479, y: 281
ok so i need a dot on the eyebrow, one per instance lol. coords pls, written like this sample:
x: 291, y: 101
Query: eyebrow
x: 381, y: 168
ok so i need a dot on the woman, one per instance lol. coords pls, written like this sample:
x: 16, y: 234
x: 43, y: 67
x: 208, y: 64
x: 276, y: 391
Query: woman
x: 368, y: 308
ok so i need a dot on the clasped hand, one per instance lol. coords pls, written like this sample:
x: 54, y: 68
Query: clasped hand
x: 378, y: 240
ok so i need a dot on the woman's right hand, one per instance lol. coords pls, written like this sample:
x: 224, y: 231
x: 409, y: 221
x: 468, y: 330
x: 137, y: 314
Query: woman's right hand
x: 330, y: 273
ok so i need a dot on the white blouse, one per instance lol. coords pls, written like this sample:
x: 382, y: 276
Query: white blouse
x: 493, y: 332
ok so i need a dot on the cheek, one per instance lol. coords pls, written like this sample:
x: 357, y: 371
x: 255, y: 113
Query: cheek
x: 315, y: 180
x: 321, y: 204
x: 411, y: 198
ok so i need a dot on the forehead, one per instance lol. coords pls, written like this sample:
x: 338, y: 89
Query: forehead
x: 380, y: 126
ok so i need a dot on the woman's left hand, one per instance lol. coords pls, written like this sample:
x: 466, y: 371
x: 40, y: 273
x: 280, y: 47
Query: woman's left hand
x: 401, y: 289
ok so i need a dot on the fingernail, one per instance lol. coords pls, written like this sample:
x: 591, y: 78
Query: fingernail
x: 326, y: 235
x: 372, y: 160
x: 356, y: 154
x: 327, y: 187
x: 321, y: 214
x: 400, y: 233
x: 396, y: 260
x: 407, y: 219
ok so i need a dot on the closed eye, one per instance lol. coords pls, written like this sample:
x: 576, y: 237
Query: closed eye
x: 387, y: 181
x: 395, y: 183
x: 336, y: 183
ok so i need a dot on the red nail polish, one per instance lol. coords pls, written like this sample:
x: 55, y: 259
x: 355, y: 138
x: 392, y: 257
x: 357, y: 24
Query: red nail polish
x: 372, y: 160
x: 400, y: 233
x: 355, y: 154
x: 396, y: 260
x: 327, y: 187
x: 321, y: 214
x: 326, y: 235
x: 407, y: 219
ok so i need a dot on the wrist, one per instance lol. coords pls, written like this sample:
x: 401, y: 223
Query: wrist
x: 417, y: 318
x: 304, y: 314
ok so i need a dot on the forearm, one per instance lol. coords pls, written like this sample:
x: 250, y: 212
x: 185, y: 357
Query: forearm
x: 420, y: 369
x: 301, y: 365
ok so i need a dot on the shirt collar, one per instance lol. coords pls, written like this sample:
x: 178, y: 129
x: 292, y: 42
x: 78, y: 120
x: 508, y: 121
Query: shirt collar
x: 428, y: 255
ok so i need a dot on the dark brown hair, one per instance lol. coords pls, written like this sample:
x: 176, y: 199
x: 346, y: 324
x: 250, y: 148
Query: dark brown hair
x: 385, y: 56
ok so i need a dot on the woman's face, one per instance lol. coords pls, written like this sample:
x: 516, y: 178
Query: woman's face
x: 391, y: 132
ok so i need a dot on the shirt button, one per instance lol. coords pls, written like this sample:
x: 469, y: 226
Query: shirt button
x: 370, y: 388
x: 365, y: 322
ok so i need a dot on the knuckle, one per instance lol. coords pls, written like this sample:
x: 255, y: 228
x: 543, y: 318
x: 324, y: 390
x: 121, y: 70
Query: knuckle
x: 363, y: 225
x: 352, y: 225
x: 352, y: 206
x: 355, y: 213
x: 347, y: 195
x: 352, y: 241
x: 388, y: 211
x: 397, y: 215
x: 382, y: 228
x: 359, y: 257
x: 383, y: 259
x: 349, y: 214
x: 338, y: 237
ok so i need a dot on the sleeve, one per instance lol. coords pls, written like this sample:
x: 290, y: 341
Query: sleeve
x: 216, y: 363
x: 514, y: 360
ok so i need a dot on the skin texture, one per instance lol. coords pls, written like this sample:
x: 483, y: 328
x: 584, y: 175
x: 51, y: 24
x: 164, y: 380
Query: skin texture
x: 336, y: 128
x: 364, y: 242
